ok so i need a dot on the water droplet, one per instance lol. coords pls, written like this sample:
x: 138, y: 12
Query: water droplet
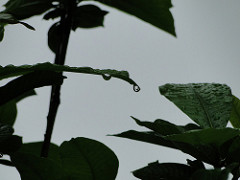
x: 1, y: 155
x: 106, y: 76
x: 136, y: 88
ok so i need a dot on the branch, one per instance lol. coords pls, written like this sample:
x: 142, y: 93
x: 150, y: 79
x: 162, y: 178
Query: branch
x: 66, y: 25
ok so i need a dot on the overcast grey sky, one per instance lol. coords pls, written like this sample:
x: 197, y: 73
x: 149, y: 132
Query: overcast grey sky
x: 207, y: 49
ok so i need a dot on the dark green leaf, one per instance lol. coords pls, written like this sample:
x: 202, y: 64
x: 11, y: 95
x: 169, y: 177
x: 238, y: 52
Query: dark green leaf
x: 6, y: 18
x: 235, y: 114
x: 33, y: 167
x: 6, y: 162
x: 209, y: 105
x: 196, y: 164
x: 5, y: 131
x: 54, y: 37
x: 88, y: 16
x: 166, y: 128
x: 8, y: 113
x: 169, y: 171
x: 214, y: 174
x: 34, y: 148
x: 11, y: 71
x: 233, y: 151
x: 53, y: 14
x: 87, y: 159
x: 22, y: 9
x: 155, y: 12
x: 27, y: 82
x: 149, y: 137
x: 25, y: 95
x: 209, y: 136
x: 10, y: 144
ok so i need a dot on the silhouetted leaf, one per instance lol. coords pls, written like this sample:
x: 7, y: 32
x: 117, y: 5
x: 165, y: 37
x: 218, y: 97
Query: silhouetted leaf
x: 88, y: 16
x: 6, y: 18
x: 8, y: 113
x: 235, y: 114
x: 214, y: 174
x: 34, y: 167
x: 55, y: 13
x: 22, y: 9
x: 149, y: 137
x: 6, y: 162
x: 34, y: 148
x: 5, y: 131
x: 169, y: 171
x: 11, y: 71
x: 205, y: 136
x: 27, y: 82
x: 10, y: 144
x: 166, y: 128
x: 209, y: 105
x: 79, y: 158
x: 155, y: 12
x: 85, y: 159
x: 54, y: 34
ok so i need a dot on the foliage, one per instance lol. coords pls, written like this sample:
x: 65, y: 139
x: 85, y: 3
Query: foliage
x: 209, y: 141
x: 79, y: 158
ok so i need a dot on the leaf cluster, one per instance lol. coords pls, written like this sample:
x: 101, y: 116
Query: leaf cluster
x: 211, y: 106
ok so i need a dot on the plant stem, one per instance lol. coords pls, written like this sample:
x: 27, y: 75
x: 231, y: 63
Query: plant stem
x: 65, y: 24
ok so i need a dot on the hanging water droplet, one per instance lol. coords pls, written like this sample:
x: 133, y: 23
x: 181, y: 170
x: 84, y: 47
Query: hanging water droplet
x: 136, y: 88
x: 1, y: 155
x: 106, y: 76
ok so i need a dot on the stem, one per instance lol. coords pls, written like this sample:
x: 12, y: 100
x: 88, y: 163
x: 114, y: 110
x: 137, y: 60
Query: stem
x: 65, y: 24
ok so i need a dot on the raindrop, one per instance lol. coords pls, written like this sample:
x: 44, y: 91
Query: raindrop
x: 1, y: 155
x: 106, y: 76
x: 136, y: 88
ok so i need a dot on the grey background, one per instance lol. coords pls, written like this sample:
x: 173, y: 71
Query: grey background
x: 206, y: 50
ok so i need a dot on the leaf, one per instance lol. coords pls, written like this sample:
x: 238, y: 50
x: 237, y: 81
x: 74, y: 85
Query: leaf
x: 209, y: 105
x: 34, y: 148
x: 209, y: 136
x: 79, y: 158
x: 85, y: 159
x: 11, y: 71
x: 8, y: 113
x: 235, y: 114
x: 169, y: 171
x: 55, y: 13
x: 6, y: 18
x: 233, y: 151
x: 23, y: 9
x: 6, y: 162
x: 166, y: 128
x: 214, y: 174
x: 155, y: 12
x: 10, y: 144
x: 88, y: 16
x: 54, y: 34
x: 149, y: 137
x: 5, y: 132
x: 27, y: 82
x: 33, y: 167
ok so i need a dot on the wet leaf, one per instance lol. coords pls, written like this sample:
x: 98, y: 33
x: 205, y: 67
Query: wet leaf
x: 235, y: 114
x: 155, y: 12
x: 11, y: 71
x: 209, y: 105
